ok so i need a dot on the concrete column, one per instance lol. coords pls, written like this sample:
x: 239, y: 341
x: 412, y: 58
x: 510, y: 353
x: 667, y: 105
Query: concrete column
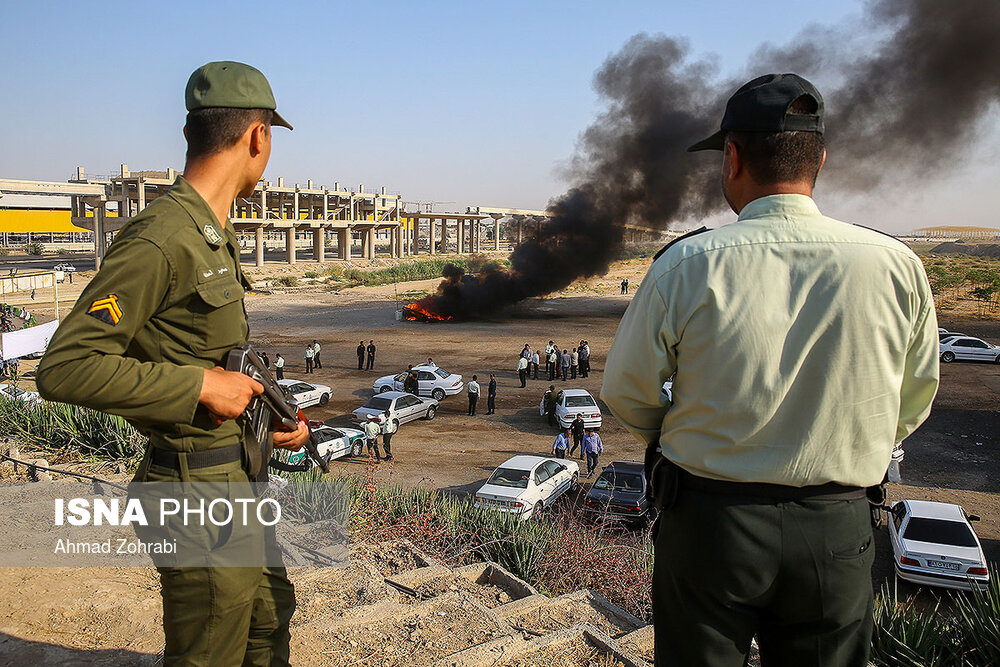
x: 295, y: 204
x: 319, y: 245
x: 478, y: 226
x: 496, y: 234
x: 460, y: 236
x: 520, y: 223
x: 263, y: 202
x: 100, y: 238
x: 258, y: 246
x: 430, y: 234
x: 371, y: 243
x: 290, y: 245
x: 141, y: 192
x: 344, y: 243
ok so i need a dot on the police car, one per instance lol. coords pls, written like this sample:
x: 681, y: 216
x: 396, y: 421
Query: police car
x: 934, y: 544
x: 307, y: 394
x: 332, y: 443
x: 432, y: 381
x: 12, y: 393
x: 396, y: 406
x: 525, y: 485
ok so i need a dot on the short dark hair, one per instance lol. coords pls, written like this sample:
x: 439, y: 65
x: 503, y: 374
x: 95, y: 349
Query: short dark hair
x: 212, y: 130
x: 782, y: 157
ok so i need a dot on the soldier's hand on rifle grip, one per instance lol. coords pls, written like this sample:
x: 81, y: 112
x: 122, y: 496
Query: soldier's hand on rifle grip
x: 226, y: 394
x: 292, y: 440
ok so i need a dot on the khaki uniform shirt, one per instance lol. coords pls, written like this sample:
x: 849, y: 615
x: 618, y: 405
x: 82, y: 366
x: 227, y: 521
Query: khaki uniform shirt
x: 167, y: 303
x: 803, y: 348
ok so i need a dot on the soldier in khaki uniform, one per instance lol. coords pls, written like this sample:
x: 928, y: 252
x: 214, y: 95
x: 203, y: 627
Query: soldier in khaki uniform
x: 147, y: 339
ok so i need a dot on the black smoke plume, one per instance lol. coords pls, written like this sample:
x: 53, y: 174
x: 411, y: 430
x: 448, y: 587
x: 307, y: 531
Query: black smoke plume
x: 906, y: 89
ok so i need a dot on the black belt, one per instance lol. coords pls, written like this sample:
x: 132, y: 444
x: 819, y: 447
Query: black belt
x: 777, y: 492
x: 167, y: 458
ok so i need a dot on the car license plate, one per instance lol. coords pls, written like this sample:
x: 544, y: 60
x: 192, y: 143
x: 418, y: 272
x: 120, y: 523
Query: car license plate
x: 941, y: 565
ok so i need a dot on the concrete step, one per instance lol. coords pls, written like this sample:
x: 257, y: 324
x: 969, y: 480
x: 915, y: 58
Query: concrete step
x: 394, y: 634
x: 578, y: 645
x: 488, y: 583
x: 332, y: 590
x: 639, y: 643
x: 391, y: 558
x: 540, y: 614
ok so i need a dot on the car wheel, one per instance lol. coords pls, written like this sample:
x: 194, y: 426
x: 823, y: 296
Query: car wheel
x: 537, y: 512
x: 997, y: 360
x: 430, y: 413
x: 948, y: 357
x: 356, y: 447
x: 324, y: 399
x: 384, y: 388
x: 574, y: 485
x: 438, y: 394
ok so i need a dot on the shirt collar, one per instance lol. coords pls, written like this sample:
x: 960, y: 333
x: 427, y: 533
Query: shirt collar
x: 201, y: 214
x: 789, y: 206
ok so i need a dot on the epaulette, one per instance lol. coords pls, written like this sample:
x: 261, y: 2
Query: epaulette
x: 700, y: 230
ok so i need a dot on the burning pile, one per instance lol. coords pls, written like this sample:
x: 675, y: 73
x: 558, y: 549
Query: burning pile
x: 422, y: 311
x: 632, y: 167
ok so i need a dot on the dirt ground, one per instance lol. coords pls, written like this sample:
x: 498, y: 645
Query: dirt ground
x: 952, y: 457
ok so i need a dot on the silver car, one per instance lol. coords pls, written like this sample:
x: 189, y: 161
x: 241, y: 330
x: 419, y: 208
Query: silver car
x: 397, y: 407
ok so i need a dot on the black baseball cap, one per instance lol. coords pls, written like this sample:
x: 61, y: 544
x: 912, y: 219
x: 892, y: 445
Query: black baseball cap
x: 762, y: 105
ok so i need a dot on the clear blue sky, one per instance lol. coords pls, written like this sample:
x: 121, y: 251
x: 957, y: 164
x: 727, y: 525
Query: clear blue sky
x: 464, y: 102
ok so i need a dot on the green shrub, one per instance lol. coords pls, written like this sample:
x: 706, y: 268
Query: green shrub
x: 4, y: 251
x: 60, y: 427
x: 34, y: 248
x: 310, y: 274
x: 287, y: 281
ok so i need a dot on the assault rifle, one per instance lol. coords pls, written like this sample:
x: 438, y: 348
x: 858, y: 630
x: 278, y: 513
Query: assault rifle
x: 273, y: 407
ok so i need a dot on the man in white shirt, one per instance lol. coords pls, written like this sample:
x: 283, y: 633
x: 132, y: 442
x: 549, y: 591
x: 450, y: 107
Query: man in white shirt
x: 473, y: 388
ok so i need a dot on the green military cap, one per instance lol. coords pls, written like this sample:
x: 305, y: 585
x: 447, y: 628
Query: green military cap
x: 233, y: 85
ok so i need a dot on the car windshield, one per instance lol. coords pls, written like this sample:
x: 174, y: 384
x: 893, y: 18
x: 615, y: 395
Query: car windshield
x: 441, y: 373
x: 517, y: 479
x: 579, y: 402
x: 619, y: 481
x: 378, y: 403
x: 324, y: 435
x: 939, y: 531
x: 299, y: 388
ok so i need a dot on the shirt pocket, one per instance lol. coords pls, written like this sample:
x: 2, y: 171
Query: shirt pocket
x: 220, y: 322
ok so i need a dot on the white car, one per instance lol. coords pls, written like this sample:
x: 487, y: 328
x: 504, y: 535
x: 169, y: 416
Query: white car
x: 67, y: 268
x: 570, y: 403
x: 332, y: 443
x: 526, y: 485
x: 432, y: 381
x: 934, y: 544
x: 307, y: 394
x: 967, y: 347
x: 13, y: 393
x: 397, y: 406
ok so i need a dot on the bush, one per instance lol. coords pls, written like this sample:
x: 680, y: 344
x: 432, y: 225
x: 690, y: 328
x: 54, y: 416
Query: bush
x: 61, y: 427
x: 34, y: 248
x: 310, y: 274
x: 287, y: 281
x: 4, y: 251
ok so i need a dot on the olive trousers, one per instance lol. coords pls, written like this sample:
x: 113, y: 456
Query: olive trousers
x: 223, y: 616
x: 797, y: 575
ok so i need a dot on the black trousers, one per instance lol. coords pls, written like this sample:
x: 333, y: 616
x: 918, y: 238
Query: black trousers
x: 560, y: 453
x: 279, y: 373
x: 309, y: 365
x: 534, y: 371
x: 522, y: 375
x: 552, y: 371
x: 795, y: 574
x: 572, y: 370
x: 473, y: 399
x: 491, y: 404
x: 361, y: 362
x: 584, y: 367
x: 577, y: 442
x: 373, y: 448
x: 371, y: 362
x: 591, y: 462
x: 387, y: 444
x: 316, y: 362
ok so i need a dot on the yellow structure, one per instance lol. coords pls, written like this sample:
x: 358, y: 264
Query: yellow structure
x: 22, y: 220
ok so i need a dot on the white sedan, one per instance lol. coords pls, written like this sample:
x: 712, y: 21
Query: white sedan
x: 934, y: 544
x: 526, y: 485
x: 332, y: 443
x: 432, y: 381
x: 67, y: 268
x: 573, y: 402
x: 967, y: 347
x: 396, y: 406
x: 307, y: 394
x: 13, y: 393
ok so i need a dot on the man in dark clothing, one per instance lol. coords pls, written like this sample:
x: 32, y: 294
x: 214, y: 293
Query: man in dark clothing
x: 361, y: 355
x: 491, y: 395
x: 578, y: 430
x: 549, y: 401
x: 410, y: 382
x: 263, y: 357
x: 371, y: 355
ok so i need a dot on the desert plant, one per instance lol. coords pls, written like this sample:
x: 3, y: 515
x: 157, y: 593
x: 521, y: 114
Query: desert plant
x: 34, y: 248
x: 979, y: 614
x: 310, y: 274
x: 287, y: 281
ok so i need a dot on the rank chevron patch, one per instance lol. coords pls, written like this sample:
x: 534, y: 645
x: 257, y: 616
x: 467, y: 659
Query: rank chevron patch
x: 106, y: 310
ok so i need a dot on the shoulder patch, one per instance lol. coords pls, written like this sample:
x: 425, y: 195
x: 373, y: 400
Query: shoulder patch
x: 106, y: 310
x: 700, y: 230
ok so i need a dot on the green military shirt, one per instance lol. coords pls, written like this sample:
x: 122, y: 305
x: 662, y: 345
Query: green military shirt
x: 167, y: 303
x: 802, y: 348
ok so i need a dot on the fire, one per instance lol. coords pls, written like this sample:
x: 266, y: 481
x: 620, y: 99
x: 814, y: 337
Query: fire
x: 422, y: 312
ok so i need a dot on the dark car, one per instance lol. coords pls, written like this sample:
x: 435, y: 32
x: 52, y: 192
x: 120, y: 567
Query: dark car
x: 619, y: 493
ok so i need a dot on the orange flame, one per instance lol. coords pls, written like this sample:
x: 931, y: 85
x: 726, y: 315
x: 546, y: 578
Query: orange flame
x: 421, y: 312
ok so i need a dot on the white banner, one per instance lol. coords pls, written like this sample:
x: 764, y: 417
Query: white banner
x: 28, y: 341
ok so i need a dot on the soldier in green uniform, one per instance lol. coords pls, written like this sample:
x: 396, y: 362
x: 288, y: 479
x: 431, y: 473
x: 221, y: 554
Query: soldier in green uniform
x: 147, y: 340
